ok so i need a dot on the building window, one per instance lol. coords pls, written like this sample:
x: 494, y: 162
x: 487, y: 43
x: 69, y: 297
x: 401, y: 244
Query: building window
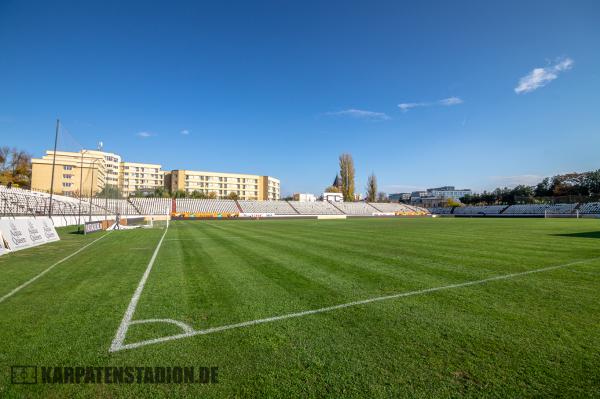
x: 67, y: 167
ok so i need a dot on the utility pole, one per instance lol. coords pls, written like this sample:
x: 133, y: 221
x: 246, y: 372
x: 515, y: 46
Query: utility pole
x: 80, y: 190
x: 53, y: 166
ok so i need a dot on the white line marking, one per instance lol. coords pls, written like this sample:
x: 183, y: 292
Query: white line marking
x: 117, y: 342
x: 344, y: 305
x: 180, y: 324
x: 25, y: 284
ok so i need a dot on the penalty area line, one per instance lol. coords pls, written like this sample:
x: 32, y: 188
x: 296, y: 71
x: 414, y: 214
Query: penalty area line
x: 117, y: 342
x: 25, y: 284
x: 345, y: 305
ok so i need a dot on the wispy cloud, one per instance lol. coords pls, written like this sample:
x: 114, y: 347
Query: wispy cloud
x: 446, y: 102
x: 450, y: 101
x: 185, y: 132
x: 360, y: 114
x: 540, y: 77
x: 145, y: 135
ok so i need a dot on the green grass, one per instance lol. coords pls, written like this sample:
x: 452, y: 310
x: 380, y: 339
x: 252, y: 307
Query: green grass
x: 532, y: 335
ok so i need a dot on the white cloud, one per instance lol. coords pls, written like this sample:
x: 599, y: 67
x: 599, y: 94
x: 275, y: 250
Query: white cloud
x: 406, y: 106
x: 540, y: 77
x: 444, y: 101
x: 185, y: 132
x: 450, y: 101
x: 145, y: 135
x: 360, y: 114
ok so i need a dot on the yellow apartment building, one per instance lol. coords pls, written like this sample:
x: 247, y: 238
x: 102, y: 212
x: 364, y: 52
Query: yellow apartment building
x: 247, y: 187
x: 90, y: 171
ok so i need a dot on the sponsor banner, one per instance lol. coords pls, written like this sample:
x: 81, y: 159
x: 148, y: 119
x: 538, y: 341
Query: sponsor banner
x: 47, y: 228
x: 34, y: 230
x: 16, y: 234
x: 92, y: 227
x: 257, y: 215
x: 384, y: 214
x: 3, y: 249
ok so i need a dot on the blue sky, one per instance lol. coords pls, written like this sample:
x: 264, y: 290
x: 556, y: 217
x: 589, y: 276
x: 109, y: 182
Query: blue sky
x: 471, y: 94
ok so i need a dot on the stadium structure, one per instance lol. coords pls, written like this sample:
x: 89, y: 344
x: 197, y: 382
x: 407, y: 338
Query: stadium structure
x: 354, y: 284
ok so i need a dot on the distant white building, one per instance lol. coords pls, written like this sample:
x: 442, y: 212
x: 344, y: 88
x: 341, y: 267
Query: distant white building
x: 448, y: 192
x: 333, y: 197
x: 302, y: 197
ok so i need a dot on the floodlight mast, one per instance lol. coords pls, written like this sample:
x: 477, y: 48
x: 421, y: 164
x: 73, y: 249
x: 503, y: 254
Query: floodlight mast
x: 53, y: 166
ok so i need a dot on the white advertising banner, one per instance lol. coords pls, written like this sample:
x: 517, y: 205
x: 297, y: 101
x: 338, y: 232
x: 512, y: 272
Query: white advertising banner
x: 257, y: 214
x: 15, y: 233
x: 47, y: 229
x: 28, y: 232
x: 3, y: 249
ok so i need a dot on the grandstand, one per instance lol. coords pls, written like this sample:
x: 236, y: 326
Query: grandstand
x: 590, y: 208
x: 275, y: 207
x: 152, y: 206
x: 19, y: 202
x: 356, y: 208
x: 480, y: 210
x: 441, y: 210
x: 520, y: 209
x: 315, y: 208
x: 193, y: 205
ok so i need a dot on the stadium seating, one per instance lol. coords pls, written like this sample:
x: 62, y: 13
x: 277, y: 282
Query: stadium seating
x: 590, y: 208
x: 479, y: 210
x: 193, y: 205
x: 315, y: 208
x: 276, y: 207
x: 441, y: 210
x: 356, y: 208
x: 561, y: 209
x: 152, y: 206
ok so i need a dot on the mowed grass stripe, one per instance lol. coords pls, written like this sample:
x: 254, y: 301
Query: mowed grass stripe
x: 429, y: 256
x: 78, y: 306
x: 253, y: 276
x: 20, y: 266
x: 457, y: 241
x: 411, y: 278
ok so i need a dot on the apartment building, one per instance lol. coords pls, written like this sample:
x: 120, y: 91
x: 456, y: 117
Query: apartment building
x: 87, y: 171
x: 247, y: 187
x: 136, y: 176
x: 91, y: 170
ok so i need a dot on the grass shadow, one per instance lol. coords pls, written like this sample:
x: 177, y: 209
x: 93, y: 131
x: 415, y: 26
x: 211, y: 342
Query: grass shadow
x: 587, y: 234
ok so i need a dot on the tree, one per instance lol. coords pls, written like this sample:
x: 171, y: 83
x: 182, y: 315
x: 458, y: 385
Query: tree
x: 592, y: 182
x: 544, y: 188
x: 180, y: 194
x: 198, y: 194
x: 347, y: 176
x: 332, y: 189
x: 160, y: 192
x: 110, y: 191
x: 382, y: 197
x: 451, y: 202
x: 212, y: 195
x: 15, y: 167
x: 371, y: 188
x: 233, y: 195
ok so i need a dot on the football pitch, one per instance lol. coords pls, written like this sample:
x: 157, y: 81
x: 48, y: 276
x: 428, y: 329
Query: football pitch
x: 441, y: 307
